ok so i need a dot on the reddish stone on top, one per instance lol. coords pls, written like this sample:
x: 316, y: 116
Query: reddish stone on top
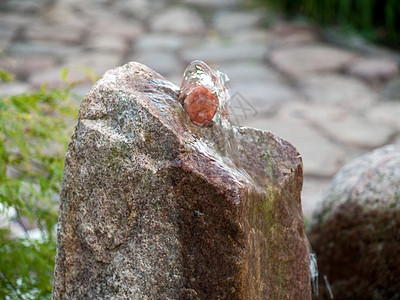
x: 201, y: 105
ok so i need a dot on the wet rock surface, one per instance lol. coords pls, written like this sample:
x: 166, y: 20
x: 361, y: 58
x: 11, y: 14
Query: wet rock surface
x: 155, y: 207
x: 355, y: 233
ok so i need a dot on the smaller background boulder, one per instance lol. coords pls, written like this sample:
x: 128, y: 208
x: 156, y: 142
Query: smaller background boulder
x: 356, y: 231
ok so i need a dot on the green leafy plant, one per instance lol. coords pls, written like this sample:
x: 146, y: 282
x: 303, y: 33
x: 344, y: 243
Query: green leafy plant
x: 34, y: 131
x: 378, y: 20
x: 5, y: 76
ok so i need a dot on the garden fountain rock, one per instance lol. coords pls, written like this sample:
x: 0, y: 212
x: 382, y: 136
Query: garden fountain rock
x: 154, y: 206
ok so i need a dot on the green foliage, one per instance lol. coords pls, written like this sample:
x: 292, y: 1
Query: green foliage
x: 378, y: 20
x: 5, y: 76
x: 34, y: 131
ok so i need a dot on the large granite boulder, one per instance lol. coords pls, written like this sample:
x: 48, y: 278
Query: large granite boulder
x: 155, y: 207
x: 356, y: 231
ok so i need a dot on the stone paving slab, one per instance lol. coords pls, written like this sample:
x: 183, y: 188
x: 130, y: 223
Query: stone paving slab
x: 178, y: 20
x: 303, y: 59
x: 10, y: 20
x: 220, y: 52
x: 387, y: 113
x: 333, y: 103
x: 292, y: 34
x: 234, y: 21
x: 24, y: 6
x: 374, y: 69
x: 248, y: 72
x: 212, y: 4
x: 360, y: 132
x: 313, y: 190
x: 266, y: 97
x: 40, y: 31
x: 321, y: 157
x: 106, y: 43
x: 13, y: 88
x: 337, y: 90
x: 125, y: 30
x: 249, y: 36
x: 159, y: 41
x: 165, y: 62
x: 24, y: 65
x: 7, y: 33
x: 138, y: 9
x: 99, y: 62
x: 49, y: 48
x: 355, y: 129
x: 391, y: 90
x: 52, y: 77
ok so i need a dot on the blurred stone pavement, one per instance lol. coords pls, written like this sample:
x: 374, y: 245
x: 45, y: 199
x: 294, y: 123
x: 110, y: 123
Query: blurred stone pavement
x: 332, y: 102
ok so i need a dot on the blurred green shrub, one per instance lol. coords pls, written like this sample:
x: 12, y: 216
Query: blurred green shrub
x: 378, y: 20
x: 34, y: 132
